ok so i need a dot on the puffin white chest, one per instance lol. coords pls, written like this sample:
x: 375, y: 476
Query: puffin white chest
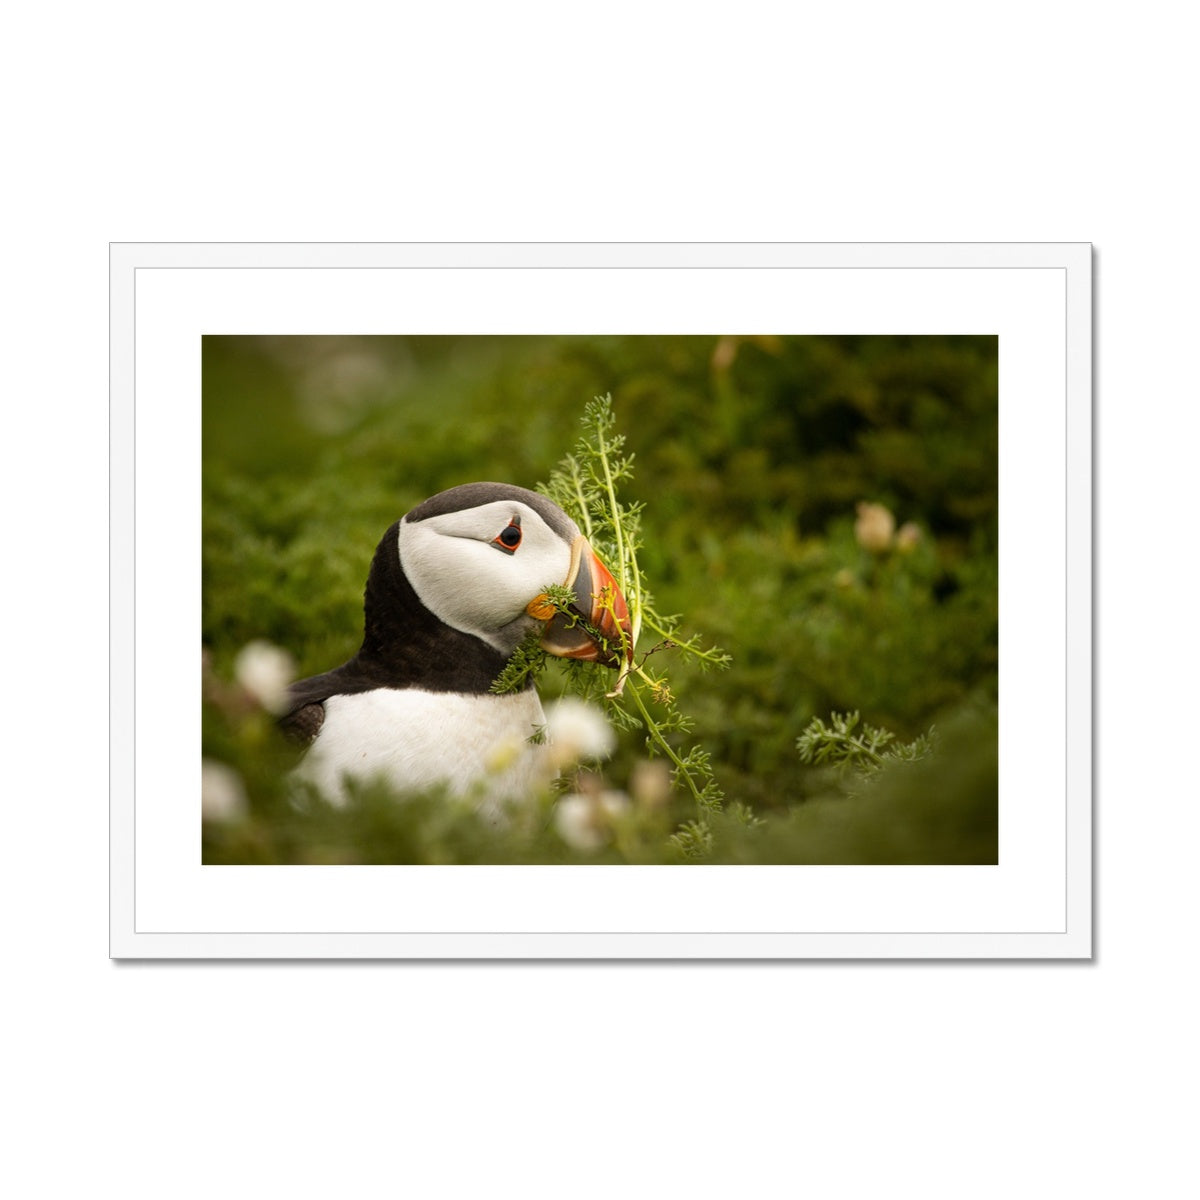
x: 413, y: 740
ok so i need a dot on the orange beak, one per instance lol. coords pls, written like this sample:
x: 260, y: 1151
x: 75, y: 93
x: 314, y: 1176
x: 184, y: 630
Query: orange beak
x: 598, y: 628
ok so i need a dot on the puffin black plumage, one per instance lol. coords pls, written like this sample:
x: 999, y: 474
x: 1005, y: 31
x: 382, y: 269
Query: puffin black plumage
x: 453, y: 587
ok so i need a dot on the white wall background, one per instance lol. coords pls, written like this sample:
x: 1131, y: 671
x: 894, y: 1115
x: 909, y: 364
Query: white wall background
x: 541, y: 121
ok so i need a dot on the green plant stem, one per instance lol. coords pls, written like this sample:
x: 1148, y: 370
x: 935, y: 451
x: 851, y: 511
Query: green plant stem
x: 610, y: 487
x: 623, y: 566
x: 877, y: 759
x: 707, y: 655
x: 652, y: 727
x: 585, y: 514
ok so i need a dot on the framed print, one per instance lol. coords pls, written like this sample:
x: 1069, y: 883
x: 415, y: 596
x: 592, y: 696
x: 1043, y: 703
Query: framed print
x: 601, y: 601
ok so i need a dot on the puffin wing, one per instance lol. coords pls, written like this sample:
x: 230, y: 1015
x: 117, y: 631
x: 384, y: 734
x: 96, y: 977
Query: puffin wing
x: 302, y: 724
x: 306, y: 712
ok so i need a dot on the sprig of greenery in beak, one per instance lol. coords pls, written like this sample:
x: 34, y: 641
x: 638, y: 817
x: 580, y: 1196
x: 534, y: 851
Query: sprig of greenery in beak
x: 585, y: 485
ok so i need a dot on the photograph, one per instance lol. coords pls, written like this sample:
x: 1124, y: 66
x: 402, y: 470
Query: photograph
x: 729, y: 599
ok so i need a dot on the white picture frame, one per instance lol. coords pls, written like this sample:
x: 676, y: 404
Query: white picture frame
x: 1036, y: 903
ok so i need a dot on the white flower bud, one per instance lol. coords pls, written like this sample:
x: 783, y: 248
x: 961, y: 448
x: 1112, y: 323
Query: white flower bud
x: 907, y: 537
x: 265, y: 671
x: 650, y: 783
x: 577, y: 731
x: 874, y: 527
x: 222, y: 796
x: 585, y: 822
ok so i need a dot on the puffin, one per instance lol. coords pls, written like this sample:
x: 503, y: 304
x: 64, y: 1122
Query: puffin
x: 453, y: 588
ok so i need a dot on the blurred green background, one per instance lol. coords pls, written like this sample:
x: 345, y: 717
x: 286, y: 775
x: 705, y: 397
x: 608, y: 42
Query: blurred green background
x: 753, y: 457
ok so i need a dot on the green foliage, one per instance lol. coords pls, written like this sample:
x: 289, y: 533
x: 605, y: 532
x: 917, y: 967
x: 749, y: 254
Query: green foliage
x: 586, y: 485
x: 928, y: 804
x: 868, y: 749
x: 527, y: 662
x: 752, y: 455
x: 693, y: 840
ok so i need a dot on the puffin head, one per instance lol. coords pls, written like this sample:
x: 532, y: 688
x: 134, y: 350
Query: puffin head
x: 479, y: 557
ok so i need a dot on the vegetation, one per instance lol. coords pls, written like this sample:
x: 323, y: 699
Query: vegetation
x: 822, y: 508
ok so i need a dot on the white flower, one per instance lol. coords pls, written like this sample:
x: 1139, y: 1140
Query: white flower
x: 585, y: 822
x: 265, y: 671
x: 907, y: 536
x: 222, y: 796
x: 650, y: 783
x: 874, y: 527
x: 577, y: 731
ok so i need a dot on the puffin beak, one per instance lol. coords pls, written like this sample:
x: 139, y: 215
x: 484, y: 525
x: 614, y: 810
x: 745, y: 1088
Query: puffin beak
x: 599, y: 608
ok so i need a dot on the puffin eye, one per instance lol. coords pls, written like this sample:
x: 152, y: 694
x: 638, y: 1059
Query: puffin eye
x: 509, y: 537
